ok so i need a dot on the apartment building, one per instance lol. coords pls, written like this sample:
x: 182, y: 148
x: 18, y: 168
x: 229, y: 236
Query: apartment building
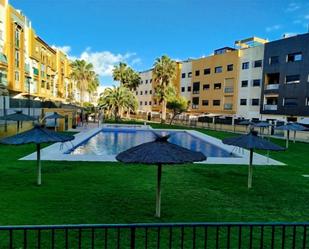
x: 185, y: 81
x: 285, y: 88
x: 214, y: 82
x: 144, y: 92
x: 28, y: 65
x: 251, y: 55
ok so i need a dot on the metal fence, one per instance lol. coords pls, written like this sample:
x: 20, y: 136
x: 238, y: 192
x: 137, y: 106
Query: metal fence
x: 158, y: 235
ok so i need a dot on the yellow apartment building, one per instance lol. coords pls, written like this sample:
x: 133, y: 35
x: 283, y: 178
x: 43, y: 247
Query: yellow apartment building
x: 214, y: 82
x: 28, y: 65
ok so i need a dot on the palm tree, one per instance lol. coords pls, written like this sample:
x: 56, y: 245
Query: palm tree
x: 126, y: 76
x: 85, y: 77
x: 163, y: 74
x: 117, y: 99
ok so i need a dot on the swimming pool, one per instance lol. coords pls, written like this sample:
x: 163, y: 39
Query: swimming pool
x: 110, y: 142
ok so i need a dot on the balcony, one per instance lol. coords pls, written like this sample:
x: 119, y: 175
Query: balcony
x: 228, y: 107
x: 228, y: 89
x: 270, y: 107
x: 272, y: 87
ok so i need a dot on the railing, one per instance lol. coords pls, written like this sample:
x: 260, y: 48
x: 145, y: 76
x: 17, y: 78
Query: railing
x: 164, y: 235
x: 272, y: 87
x: 228, y: 90
x: 270, y: 107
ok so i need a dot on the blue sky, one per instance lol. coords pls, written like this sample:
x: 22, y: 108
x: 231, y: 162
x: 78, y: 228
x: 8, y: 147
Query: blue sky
x: 137, y: 31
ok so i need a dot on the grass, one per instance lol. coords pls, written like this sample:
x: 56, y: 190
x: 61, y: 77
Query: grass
x: 90, y: 192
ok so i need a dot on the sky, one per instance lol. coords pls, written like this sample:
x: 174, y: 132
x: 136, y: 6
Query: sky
x: 106, y: 32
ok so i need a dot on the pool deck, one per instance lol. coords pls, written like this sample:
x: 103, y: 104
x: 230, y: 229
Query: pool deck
x: 56, y: 152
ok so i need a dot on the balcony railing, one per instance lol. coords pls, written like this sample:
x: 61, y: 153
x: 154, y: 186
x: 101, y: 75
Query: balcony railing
x: 228, y: 106
x: 272, y: 87
x: 159, y: 235
x: 228, y: 90
x: 270, y: 107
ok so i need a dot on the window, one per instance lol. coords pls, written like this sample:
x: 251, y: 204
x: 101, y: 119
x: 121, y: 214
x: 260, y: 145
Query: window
x: 146, y: 81
x: 16, y: 58
x: 243, y: 101
x: 136, y: 93
x: 290, y: 102
x: 16, y: 76
x: 256, y: 82
x: 197, y: 73
x: 42, y: 84
x: 189, y: 88
x: 141, y: 93
x: 218, y: 69
x: 17, y: 37
x: 205, y: 86
x: 141, y: 103
x: 145, y: 102
x: 245, y: 65
x: 230, y: 67
x: 205, y: 102
x: 294, y: 57
x: 146, y: 92
x: 150, y: 80
x: 189, y: 74
x: 291, y: 79
x: 255, y: 102
x: 141, y: 82
x: 207, y: 71
x: 244, y: 83
x: 216, y: 102
x: 257, y: 63
x: 183, y: 75
x: 183, y: 89
x: 274, y: 60
x: 149, y: 102
x: 196, y: 87
x: 195, y: 102
x: 307, y: 101
x: 217, y: 86
x: 150, y: 91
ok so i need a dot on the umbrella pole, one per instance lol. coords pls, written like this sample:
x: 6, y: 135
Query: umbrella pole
x: 158, y: 196
x: 55, y: 124
x: 250, y: 170
x: 294, y: 137
x: 17, y: 131
x: 287, y: 139
x: 38, y: 154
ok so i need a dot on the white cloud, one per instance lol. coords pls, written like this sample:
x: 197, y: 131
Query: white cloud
x: 273, y: 28
x: 104, y: 61
x: 64, y: 49
x: 293, y: 7
x: 288, y: 34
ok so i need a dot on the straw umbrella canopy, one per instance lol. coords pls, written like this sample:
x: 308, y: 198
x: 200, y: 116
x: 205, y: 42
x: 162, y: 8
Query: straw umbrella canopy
x: 18, y: 116
x: 159, y: 152
x: 37, y: 135
x: 252, y: 142
x: 55, y: 116
x: 291, y: 127
x: 262, y: 125
x: 246, y: 123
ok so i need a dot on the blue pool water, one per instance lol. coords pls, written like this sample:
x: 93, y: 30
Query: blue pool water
x: 112, y: 142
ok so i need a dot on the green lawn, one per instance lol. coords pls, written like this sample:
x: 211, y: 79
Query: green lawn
x: 79, y: 192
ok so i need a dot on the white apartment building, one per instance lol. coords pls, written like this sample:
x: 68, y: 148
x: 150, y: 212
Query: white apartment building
x: 185, y: 79
x: 250, y: 77
x: 144, y: 92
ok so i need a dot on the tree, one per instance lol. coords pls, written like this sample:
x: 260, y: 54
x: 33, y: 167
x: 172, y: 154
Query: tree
x: 115, y: 100
x: 87, y: 80
x: 163, y: 74
x: 177, y: 105
x: 126, y: 76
